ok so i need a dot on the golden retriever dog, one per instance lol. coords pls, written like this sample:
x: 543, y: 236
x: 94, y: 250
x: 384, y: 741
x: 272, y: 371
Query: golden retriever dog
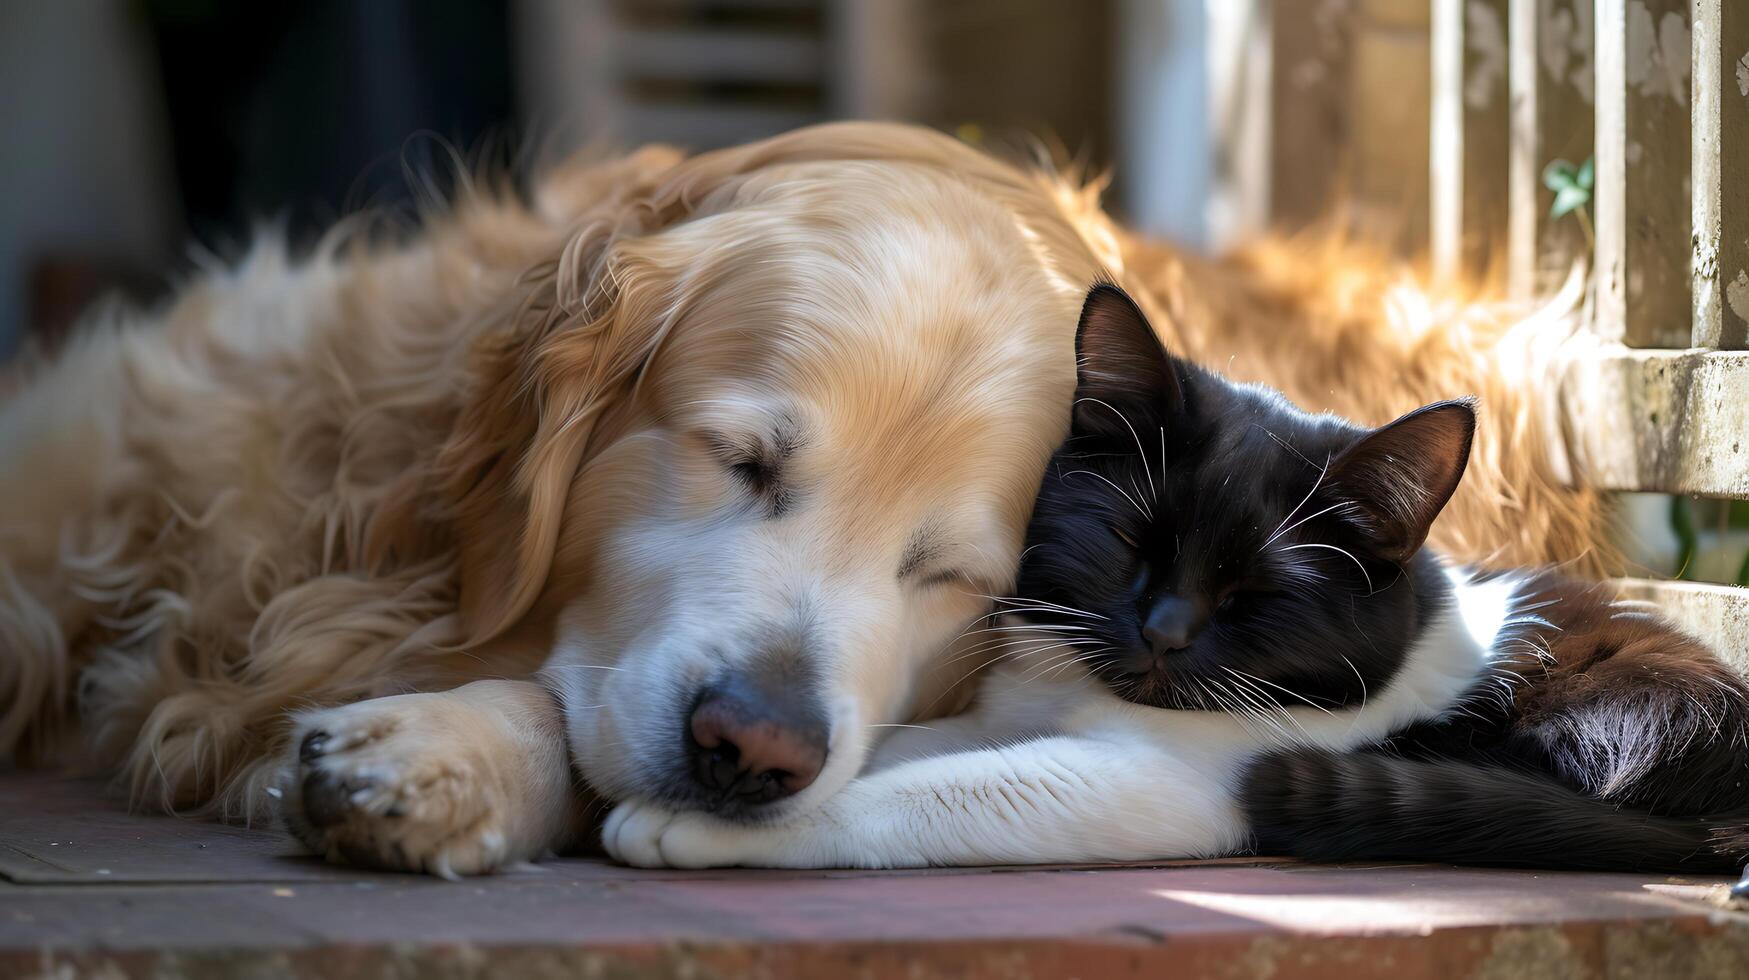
x: 678, y: 481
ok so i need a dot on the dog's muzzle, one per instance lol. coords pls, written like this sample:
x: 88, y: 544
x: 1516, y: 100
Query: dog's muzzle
x: 756, y: 737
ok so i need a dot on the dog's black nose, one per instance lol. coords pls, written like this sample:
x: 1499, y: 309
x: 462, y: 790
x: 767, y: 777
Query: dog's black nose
x: 755, y: 743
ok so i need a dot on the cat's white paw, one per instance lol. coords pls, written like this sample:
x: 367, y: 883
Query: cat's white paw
x: 646, y: 835
x: 633, y: 833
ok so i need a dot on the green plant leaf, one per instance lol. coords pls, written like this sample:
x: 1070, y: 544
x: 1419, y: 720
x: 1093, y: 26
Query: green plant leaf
x: 1587, y: 175
x: 1739, y: 514
x: 1568, y: 200
x: 1559, y: 175
x: 1682, y: 522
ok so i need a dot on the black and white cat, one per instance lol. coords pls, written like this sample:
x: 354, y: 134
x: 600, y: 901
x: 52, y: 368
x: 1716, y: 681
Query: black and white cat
x: 1227, y: 634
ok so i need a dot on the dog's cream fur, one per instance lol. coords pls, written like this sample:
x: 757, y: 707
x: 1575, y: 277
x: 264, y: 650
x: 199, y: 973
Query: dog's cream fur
x: 386, y: 470
x: 310, y: 493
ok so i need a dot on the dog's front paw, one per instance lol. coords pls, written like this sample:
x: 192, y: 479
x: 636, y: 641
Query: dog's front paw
x: 389, y: 783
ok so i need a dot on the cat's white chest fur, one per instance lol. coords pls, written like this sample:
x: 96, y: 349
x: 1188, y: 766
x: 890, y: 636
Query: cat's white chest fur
x: 1050, y: 766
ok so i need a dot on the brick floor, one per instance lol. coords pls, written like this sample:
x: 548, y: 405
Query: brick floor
x: 86, y: 889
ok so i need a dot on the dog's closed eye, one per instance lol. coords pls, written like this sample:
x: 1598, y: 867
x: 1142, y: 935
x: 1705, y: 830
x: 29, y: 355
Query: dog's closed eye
x: 921, y: 562
x: 754, y: 471
x: 756, y: 465
x: 946, y: 577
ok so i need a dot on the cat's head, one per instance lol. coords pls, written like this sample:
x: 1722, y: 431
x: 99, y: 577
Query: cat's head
x: 1203, y: 544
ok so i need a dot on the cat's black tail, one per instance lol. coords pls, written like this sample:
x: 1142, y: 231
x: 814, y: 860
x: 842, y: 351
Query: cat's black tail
x: 1374, y: 806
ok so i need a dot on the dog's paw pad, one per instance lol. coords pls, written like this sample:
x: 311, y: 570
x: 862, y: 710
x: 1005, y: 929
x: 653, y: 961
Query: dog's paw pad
x: 369, y: 790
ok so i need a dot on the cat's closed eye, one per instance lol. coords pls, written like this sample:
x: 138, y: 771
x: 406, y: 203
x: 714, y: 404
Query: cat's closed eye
x: 1127, y: 538
x: 1236, y: 595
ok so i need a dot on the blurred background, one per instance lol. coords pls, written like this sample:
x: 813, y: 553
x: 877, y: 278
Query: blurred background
x: 141, y: 132
x: 138, y: 130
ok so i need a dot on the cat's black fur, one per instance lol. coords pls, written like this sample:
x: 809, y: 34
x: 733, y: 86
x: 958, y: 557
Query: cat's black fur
x: 1228, y: 551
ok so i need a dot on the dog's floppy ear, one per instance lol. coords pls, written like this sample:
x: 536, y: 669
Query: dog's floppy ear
x: 540, y: 382
x: 543, y: 382
x: 542, y: 389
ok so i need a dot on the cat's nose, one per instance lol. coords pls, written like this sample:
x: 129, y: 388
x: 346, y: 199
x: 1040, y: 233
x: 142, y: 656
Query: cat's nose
x: 1173, y: 623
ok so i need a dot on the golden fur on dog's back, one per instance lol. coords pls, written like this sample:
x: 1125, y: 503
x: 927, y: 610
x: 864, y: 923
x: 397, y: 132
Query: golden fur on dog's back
x: 200, y: 505
x: 317, y: 480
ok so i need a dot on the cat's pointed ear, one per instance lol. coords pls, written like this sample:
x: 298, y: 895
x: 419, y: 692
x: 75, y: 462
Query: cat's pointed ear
x: 1398, y: 477
x: 1118, y: 358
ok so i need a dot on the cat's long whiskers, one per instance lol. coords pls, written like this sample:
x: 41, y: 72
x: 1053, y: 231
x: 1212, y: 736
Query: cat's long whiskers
x: 1044, y: 610
x: 1206, y: 699
x: 1290, y: 693
x: 1052, y: 657
x: 996, y: 642
x: 1069, y: 651
x: 1267, y: 707
x: 1241, y: 695
x: 1031, y: 628
x: 1315, y: 485
x: 986, y: 647
x: 993, y: 617
x: 1220, y: 703
x: 1343, y: 552
x: 1104, y: 653
x: 1015, y: 600
x: 1006, y: 654
x: 1162, y: 462
x: 1099, y: 651
x: 1000, y: 643
x: 991, y: 642
x: 1243, y: 714
x: 1139, y: 450
x: 1020, y: 610
x: 981, y: 619
x: 1139, y: 508
x: 1308, y: 517
x: 1358, y: 677
x: 1302, y: 570
x: 1283, y: 444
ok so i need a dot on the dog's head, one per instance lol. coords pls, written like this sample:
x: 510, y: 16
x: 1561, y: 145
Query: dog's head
x: 762, y: 447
